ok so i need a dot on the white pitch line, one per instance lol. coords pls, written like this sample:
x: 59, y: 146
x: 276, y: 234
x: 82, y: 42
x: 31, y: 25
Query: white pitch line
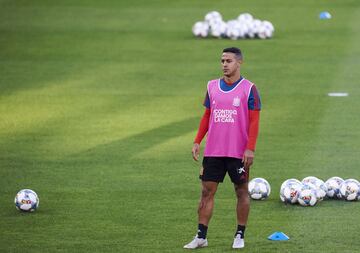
x: 338, y: 94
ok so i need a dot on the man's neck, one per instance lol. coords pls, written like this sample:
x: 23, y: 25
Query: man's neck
x: 231, y: 79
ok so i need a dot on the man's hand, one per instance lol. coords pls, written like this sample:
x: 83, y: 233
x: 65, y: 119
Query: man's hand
x: 195, y: 151
x: 248, y: 158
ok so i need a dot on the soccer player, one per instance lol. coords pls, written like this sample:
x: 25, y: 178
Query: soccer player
x: 231, y: 121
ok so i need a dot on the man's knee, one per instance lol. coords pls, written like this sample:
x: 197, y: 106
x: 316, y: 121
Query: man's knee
x: 241, y: 191
x: 208, y: 192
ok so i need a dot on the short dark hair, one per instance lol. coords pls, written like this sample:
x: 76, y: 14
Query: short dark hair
x: 235, y: 51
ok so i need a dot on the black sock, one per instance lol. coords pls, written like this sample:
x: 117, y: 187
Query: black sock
x: 202, y: 230
x: 240, y: 231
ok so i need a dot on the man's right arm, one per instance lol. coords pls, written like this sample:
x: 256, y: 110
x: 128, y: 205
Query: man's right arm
x: 203, y: 128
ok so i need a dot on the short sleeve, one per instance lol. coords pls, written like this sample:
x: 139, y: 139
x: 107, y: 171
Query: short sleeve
x: 254, y: 102
x: 207, y: 101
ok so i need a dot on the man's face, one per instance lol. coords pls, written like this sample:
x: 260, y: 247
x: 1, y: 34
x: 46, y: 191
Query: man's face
x: 230, y: 64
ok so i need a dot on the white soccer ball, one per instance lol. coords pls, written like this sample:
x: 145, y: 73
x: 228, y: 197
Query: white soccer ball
x: 256, y: 25
x: 26, y: 200
x: 232, y: 30
x: 233, y: 33
x: 288, y: 181
x: 245, y: 18
x: 307, y: 195
x: 349, y: 189
x: 200, y: 29
x: 218, y: 29
x: 213, y: 16
x: 321, y: 188
x: 269, y: 25
x: 236, y: 30
x: 251, y: 30
x: 358, y: 197
x: 243, y: 28
x: 265, y: 30
x: 289, y: 191
x: 259, y: 188
x: 333, y: 186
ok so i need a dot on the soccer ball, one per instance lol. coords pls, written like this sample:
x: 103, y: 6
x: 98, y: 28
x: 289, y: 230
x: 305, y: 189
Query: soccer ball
x: 349, y: 189
x: 244, y: 29
x: 251, y: 30
x: 218, y: 29
x: 289, y: 191
x: 266, y: 30
x: 358, y: 197
x: 245, y: 18
x: 259, y: 188
x: 333, y: 186
x: 26, y: 200
x: 233, y: 30
x: 288, y: 181
x: 321, y: 188
x: 213, y: 16
x: 310, y: 179
x: 256, y: 25
x: 200, y: 29
x: 307, y: 195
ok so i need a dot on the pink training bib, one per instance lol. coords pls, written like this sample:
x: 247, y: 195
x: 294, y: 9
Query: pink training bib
x: 229, y: 120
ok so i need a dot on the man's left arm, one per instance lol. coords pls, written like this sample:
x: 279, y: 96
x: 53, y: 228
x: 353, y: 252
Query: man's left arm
x: 249, y: 153
x: 254, y: 106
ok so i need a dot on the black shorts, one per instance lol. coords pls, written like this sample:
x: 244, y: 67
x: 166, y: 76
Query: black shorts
x: 215, y: 168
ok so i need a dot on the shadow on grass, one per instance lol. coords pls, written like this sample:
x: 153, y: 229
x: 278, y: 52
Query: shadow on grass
x: 121, y: 150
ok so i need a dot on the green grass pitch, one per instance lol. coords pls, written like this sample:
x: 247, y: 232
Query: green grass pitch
x: 100, y: 102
